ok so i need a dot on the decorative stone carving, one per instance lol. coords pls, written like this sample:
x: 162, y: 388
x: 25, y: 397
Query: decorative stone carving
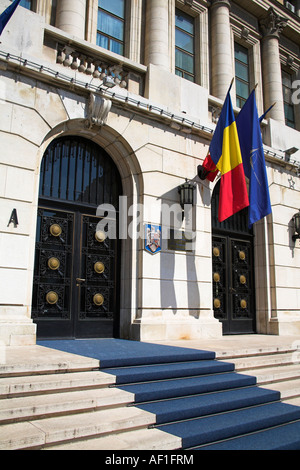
x: 272, y: 24
x: 97, y: 110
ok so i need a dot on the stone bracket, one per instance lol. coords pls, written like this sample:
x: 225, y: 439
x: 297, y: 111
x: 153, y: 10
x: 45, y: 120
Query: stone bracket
x: 98, y: 108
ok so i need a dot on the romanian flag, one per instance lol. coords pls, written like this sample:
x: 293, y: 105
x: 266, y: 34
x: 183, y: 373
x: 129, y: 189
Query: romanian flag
x: 225, y: 156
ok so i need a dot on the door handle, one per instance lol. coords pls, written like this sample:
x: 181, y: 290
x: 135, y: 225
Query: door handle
x: 79, y: 281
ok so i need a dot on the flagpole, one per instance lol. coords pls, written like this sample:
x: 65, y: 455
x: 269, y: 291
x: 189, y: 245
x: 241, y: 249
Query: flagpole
x: 268, y: 110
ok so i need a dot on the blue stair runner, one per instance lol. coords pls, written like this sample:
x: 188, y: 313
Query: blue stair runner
x: 195, y: 397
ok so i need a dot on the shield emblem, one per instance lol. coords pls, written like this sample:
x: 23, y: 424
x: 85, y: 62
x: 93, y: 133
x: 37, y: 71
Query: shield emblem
x: 152, y: 238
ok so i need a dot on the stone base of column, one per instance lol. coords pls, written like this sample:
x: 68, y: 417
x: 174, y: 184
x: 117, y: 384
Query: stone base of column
x: 181, y: 329
x: 285, y: 327
x: 16, y: 329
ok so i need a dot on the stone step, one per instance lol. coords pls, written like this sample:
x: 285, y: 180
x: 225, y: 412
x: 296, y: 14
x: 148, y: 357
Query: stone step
x: 44, y: 432
x: 257, y: 362
x: 53, y: 383
x: 33, y: 360
x: 34, y: 407
x: 268, y: 375
x: 70, y: 405
x: 142, y: 439
x: 287, y: 388
x: 256, y: 352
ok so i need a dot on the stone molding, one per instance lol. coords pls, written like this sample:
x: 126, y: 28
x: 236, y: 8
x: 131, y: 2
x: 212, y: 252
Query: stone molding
x: 219, y: 3
x: 272, y: 24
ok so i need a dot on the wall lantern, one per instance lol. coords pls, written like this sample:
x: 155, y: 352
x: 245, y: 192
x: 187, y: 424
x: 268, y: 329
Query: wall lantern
x: 290, y: 152
x: 296, y: 220
x: 109, y: 82
x: 186, y: 191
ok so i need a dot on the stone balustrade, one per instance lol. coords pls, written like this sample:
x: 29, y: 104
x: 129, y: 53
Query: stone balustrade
x: 98, y: 68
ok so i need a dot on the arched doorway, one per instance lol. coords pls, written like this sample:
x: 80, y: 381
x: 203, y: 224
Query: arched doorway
x: 76, y: 274
x: 233, y: 271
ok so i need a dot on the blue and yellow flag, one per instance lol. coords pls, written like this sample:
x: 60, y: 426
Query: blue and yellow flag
x: 7, y: 14
x: 225, y: 154
x: 248, y: 125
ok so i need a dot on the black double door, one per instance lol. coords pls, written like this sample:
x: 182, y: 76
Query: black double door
x: 233, y: 284
x: 76, y: 274
x: 76, y: 277
x: 233, y: 271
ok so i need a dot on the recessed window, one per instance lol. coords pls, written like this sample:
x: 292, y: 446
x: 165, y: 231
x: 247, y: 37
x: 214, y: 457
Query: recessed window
x: 241, y: 74
x: 290, y: 5
x: 287, y: 99
x: 111, y: 25
x: 26, y: 4
x: 184, y: 46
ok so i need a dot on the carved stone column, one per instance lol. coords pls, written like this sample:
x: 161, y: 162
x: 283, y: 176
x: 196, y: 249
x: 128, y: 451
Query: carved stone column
x: 271, y: 26
x: 222, y: 71
x: 70, y: 17
x: 157, y: 33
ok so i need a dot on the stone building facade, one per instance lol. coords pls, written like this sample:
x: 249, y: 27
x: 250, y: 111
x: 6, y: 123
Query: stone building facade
x: 107, y: 109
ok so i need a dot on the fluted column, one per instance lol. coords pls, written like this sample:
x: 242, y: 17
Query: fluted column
x: 157, y: 34
x: 271, y: 26
x: 70, y: 17
x: 222, y: 71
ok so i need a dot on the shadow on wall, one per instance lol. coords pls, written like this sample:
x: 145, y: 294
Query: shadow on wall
x: 181, y: 283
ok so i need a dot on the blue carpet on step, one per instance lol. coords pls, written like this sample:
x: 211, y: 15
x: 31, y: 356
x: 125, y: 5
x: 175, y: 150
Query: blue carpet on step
x: 201, y: 405
x: 118, y: 352
x: 194, y: 396
x: 189, y: 386
x: 205, y: 430
x: 286, y: 437
x: 151, y: 372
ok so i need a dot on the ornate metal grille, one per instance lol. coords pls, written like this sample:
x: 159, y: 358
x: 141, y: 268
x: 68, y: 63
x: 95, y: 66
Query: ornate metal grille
x: 77, y: 170
x: 53, y: 265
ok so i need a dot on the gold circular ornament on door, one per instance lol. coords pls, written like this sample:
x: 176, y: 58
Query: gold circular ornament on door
x: 243, y: 304
x: 216, y: 277
x: 53, y: 264
x: 55, y: 230
x: 100, y: 236
x: 216, y: 252
x: 98, y: 300
x: 242, y: 255
x: 99, y: 267
x: 52, y: 298
x: 243, y: 279
x: 217, y: 303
